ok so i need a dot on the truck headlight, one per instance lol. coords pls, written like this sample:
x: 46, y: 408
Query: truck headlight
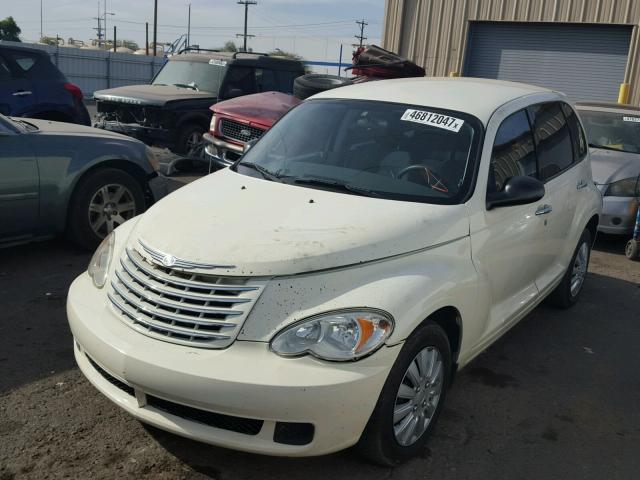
x: 623, y: 188
x: 337, y: 336
x: 99, y: 264
x: 212, y: 125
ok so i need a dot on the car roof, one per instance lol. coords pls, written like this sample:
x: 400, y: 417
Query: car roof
x: 607, y: 107
x: 476, y: 96
x: 240, y: 58
x: 36, y: 51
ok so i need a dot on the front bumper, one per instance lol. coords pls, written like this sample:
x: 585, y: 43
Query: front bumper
x: 245, y: 380
x: 161, y: 137
x: 618, y: 215
x: 159, y: 187
x: 222, y: 154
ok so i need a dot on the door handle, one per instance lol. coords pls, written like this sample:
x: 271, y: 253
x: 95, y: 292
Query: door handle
x: 21, y: 93
x: 544, y: 209
x: 581, y: 184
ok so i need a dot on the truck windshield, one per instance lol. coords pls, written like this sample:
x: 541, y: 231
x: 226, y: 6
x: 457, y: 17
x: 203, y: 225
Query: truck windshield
x: 377, y: 149
x: 195, y: 75
x: 615, y: 131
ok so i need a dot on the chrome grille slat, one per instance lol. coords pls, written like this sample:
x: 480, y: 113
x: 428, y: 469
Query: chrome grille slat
x: 186, y: 283
x: 233, y: 130
x: 179, y: 304
x: 158, y: 287
x: 160, y: 325
x: 157, y: 299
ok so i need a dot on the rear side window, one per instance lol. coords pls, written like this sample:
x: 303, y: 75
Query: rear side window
x: 552, y: 139
x: 24, y: 61
x: 513, y: 153
x: 578, y: 138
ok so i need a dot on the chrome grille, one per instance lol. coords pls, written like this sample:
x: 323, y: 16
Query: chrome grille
x: 239, y: 131
x: 174, y: 305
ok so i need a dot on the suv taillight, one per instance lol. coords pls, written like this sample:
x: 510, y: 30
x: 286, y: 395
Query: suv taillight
x: 74, y: 89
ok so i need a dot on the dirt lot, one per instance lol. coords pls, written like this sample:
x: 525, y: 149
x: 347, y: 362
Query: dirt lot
x: 557, y: 397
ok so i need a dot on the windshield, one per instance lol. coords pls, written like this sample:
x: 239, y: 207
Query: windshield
x: 195, y: 75
x: 377, y: 149
x: 617, y: 131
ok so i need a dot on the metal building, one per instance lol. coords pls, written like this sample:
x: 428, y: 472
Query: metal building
x: 585, y: 48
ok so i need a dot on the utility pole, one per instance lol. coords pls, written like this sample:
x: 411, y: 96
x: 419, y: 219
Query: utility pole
x: 189, y: 27
x: 246, y: 4
x: 146, y: 38
x: 155, y: 26
x: 99, y: 28
x: 41, y: 19
x: 362, y: 24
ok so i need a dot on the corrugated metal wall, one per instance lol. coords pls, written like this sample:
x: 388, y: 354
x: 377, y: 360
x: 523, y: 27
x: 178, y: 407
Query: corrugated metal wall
x: 98, y: 69
x: 434, y: 33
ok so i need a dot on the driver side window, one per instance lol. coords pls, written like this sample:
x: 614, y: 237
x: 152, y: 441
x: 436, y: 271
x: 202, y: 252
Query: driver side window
x: 513, y: 151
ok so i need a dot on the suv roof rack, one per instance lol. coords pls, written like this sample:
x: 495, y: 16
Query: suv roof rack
x: 197, y: 49
x: 259, y: 54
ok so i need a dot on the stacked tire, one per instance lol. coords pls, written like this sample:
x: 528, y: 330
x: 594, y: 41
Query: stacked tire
x: 312, y: 83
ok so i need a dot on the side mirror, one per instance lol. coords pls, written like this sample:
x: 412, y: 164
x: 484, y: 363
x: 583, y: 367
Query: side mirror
x: 249, y: 145
x: 518, y: 190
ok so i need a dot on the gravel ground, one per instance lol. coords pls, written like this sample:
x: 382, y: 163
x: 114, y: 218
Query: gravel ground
x: 556, y: 397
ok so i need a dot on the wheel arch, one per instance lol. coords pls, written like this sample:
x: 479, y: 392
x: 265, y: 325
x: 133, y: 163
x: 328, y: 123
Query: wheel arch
x: 592, y: 226
x: 199, y: 119
x: 450, y: 320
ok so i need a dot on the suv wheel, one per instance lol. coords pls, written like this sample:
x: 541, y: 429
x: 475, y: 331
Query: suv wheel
x: 190, y: 142
x: 567, y: 292
x: 411, y: 399
x: 101, y: 202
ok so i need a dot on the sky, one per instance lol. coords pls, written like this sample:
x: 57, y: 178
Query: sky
x: 314, y: 29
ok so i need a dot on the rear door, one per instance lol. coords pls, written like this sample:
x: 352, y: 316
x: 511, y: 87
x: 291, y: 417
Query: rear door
x: 17, y: 96
x: 557, y: 170
x: 19, y: 185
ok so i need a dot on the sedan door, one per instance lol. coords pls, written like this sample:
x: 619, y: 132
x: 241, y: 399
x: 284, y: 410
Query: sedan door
x: 508, y: 242
x: 19, y: 185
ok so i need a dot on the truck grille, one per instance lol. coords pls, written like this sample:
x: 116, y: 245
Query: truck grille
x: 177, y: 306
x: 239, y: 131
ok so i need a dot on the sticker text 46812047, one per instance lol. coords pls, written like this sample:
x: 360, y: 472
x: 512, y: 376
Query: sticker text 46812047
x: 433, y: 119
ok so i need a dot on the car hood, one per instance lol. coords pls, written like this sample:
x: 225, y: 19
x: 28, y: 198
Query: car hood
x: 609, y: 166
x: 150, y: 95
x: 48, y: 127
x: 260, y: 108
x: 262, y: 228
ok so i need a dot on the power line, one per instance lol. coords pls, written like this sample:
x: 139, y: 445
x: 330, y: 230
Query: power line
x: 362, y: 24
x: 246, y: 4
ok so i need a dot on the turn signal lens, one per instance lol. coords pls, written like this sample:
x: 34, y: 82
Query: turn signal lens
x: 336, y: 336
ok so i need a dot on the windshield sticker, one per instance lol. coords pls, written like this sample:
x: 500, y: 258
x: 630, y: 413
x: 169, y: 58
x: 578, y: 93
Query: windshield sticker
x: 631, y: 119
x: 433, y: 119
x: 215, y: 61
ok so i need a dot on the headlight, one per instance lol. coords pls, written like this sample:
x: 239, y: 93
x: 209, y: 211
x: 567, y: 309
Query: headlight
x: 153, y: 160
x: 623, y: 188
x: 99, y: 264
x: 212, y: 125
x: 337, y: 336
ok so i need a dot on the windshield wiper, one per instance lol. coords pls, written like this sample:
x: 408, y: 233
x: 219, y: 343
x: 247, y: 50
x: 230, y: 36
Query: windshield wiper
x: 186, y: 85
x: 260, y: 169
x: 336, y: 185
x: 606, y: 147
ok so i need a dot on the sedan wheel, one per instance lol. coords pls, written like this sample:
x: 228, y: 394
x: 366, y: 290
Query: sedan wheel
x: 110, y: 206
x: 579, y: 271
x: 418, y: 396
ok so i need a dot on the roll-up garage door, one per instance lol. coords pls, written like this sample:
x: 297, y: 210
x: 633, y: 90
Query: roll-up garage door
x: 587, y: 62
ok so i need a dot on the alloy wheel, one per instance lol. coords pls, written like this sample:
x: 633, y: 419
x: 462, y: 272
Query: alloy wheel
x: 195, y: 145
x: 110, y: 206
x: 579, y: 271
x: 418, y: 396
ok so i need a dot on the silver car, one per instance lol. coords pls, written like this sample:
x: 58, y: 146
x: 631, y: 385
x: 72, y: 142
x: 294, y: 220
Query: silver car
x: 613, y: 132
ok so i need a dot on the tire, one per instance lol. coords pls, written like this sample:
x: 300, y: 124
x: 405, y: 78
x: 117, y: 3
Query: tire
x: 566, y: 294
x: 190, y: 142
x: 312, y: 83
x: 632, y: 250
x: 379, y: 442
x: 89, y: 221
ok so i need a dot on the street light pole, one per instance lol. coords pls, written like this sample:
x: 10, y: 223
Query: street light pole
x: 189, y: 27
x: 40, y: 20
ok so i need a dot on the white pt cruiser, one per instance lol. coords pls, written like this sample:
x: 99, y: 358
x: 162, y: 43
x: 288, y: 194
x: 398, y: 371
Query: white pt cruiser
x: 322, y: 291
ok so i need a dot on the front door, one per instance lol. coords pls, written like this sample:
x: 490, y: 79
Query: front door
x: 19, y: 186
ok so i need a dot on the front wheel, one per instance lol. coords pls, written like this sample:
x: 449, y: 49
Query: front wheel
x: 411, y: 399
x: 102, y: 201
x: 191, y: 143
x: 567, y: 292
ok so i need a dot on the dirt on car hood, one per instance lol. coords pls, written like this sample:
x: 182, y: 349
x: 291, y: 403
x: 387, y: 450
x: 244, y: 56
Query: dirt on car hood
x: 263, y: 228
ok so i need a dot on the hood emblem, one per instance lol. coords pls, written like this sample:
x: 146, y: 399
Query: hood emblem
x: 245, y: 133
x: 168, y: 260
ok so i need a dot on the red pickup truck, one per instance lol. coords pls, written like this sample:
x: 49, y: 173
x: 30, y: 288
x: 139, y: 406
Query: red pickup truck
x: 244, y: 119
